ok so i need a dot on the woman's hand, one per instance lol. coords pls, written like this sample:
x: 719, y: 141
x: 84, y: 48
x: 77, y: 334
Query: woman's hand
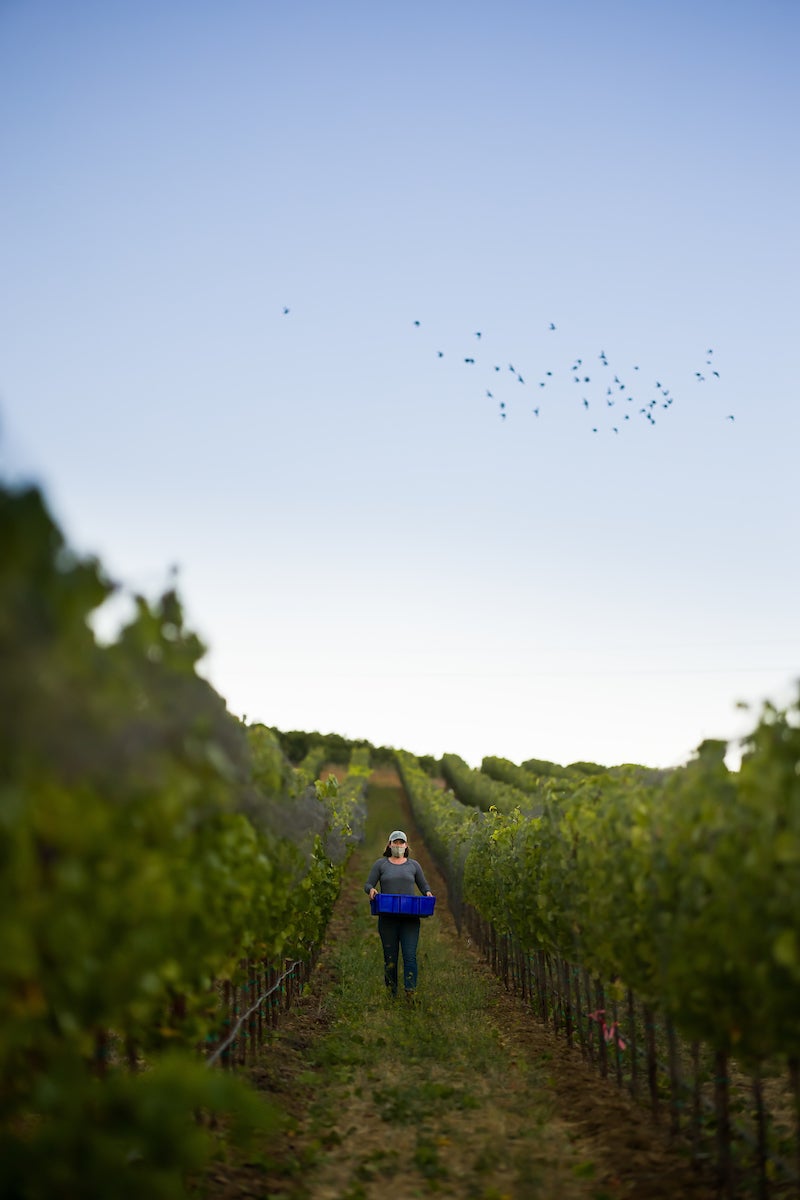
x: 373, y: 893
x: 429, y: 893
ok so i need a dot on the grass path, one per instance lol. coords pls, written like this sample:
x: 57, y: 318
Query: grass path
x: 463, y: 1096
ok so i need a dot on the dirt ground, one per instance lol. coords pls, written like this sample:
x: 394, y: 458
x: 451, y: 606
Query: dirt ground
x: 594, y: 1141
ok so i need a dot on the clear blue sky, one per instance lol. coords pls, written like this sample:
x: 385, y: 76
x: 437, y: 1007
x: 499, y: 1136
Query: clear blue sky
x: 367, y: 545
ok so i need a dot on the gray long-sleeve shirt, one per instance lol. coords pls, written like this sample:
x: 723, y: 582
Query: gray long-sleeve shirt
x: 397, y: 878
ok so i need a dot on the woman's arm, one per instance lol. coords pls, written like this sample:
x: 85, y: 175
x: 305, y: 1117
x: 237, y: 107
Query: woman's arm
x: 421, y: 881
x: 373, y: 877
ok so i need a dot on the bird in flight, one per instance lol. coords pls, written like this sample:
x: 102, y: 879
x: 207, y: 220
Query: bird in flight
x: 285, y: 310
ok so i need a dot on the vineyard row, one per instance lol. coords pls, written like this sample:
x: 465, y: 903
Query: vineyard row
x: 628, y: 902
x: 166, y: 876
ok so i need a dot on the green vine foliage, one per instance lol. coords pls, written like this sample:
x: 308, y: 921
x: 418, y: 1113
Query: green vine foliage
x: 681, y: 885
x: 524, y: 779
x: 481, y: 790
x: 149, y: 843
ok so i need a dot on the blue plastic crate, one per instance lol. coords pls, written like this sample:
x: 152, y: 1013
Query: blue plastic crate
x: 402, y: 906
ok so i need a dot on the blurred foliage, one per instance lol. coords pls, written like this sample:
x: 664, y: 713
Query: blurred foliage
x: 149, y: 843
x: 299, y: 745
x: 542, y: 766
x: 586, y: 768
x: 430, y: 765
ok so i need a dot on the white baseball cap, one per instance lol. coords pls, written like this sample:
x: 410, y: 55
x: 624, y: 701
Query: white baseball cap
x: 397, y: 835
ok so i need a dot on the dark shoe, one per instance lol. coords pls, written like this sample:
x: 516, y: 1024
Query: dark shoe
x: 411, y: 998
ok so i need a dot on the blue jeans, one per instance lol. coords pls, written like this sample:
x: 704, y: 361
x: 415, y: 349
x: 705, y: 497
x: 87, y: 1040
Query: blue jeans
x: 396, y: 934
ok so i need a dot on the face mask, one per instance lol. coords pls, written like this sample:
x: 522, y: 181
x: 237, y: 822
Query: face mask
x: 397, y: 851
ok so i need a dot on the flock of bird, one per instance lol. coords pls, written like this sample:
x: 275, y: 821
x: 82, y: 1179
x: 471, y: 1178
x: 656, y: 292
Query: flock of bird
x: 608, y: 396
x: 609, y: 399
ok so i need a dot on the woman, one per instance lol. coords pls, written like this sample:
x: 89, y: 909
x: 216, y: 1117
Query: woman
x: 398, y: 875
